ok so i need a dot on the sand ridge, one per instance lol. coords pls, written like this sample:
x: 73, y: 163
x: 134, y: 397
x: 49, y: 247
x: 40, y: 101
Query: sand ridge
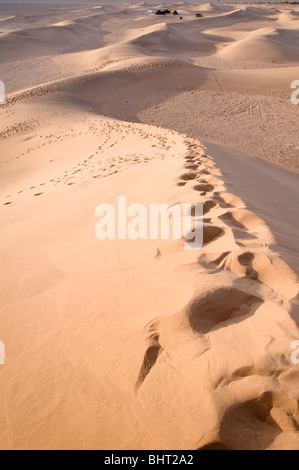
x: 235, y: 289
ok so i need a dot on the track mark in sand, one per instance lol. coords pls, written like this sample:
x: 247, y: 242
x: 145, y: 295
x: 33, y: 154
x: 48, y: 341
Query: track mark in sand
x: 150, y: 358
x: 212, y: 310
x: 205, y: 172
x: 229, y: 200
x: 241, y: 235
x: 260, y: 419
x: 211, y: 232
x: 207, y: 188
x: 266, y: 268
x: 229, y: 219
x: 215, y: 310
x: 215, y: 172
x: 247, y: 219
x: 7, y: 203
x: 213, y: 262
x: 191, y: 167
x: 220, y: 259
x: 247, y: 371
x: 101, y: 160
x: 208, y: 206
x: 246, y: 260
x: 188, y: 176
x: 245, y: 225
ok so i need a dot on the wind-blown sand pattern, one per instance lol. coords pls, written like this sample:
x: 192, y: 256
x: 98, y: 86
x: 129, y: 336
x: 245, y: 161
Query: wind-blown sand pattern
x: 123, y: 344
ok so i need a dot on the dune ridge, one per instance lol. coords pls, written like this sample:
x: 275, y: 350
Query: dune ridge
x: 236, y: 279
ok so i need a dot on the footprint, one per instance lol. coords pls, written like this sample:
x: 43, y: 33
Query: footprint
x: 229, y: 200
x: 212, y: 180
x: 212, y: 262
x: 210, y: 233
x: 150, y: 358
x: 210, y: 311
x: 246, y: 260
x: 203, y: 187
x: 208, y: 206
x: 191, y: 167
x: 188, y: 176
x: 230, y: 220
x: 268, y: 269
x: 248, y: 220
x: 255, y: 424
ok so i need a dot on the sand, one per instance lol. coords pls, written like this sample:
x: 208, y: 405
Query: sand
x: 142, y: 344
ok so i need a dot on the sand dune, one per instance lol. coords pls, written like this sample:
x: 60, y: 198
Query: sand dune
x: 144, y: 344
x: 174, y: 41
x: 266, y: 45
x: 56, y: 39
x: 248, y: 14
x: 212, y: 8
x: 65, y: 262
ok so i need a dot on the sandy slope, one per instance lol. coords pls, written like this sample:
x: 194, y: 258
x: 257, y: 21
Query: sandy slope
x: 143, y: 344
x: 229, y: 40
